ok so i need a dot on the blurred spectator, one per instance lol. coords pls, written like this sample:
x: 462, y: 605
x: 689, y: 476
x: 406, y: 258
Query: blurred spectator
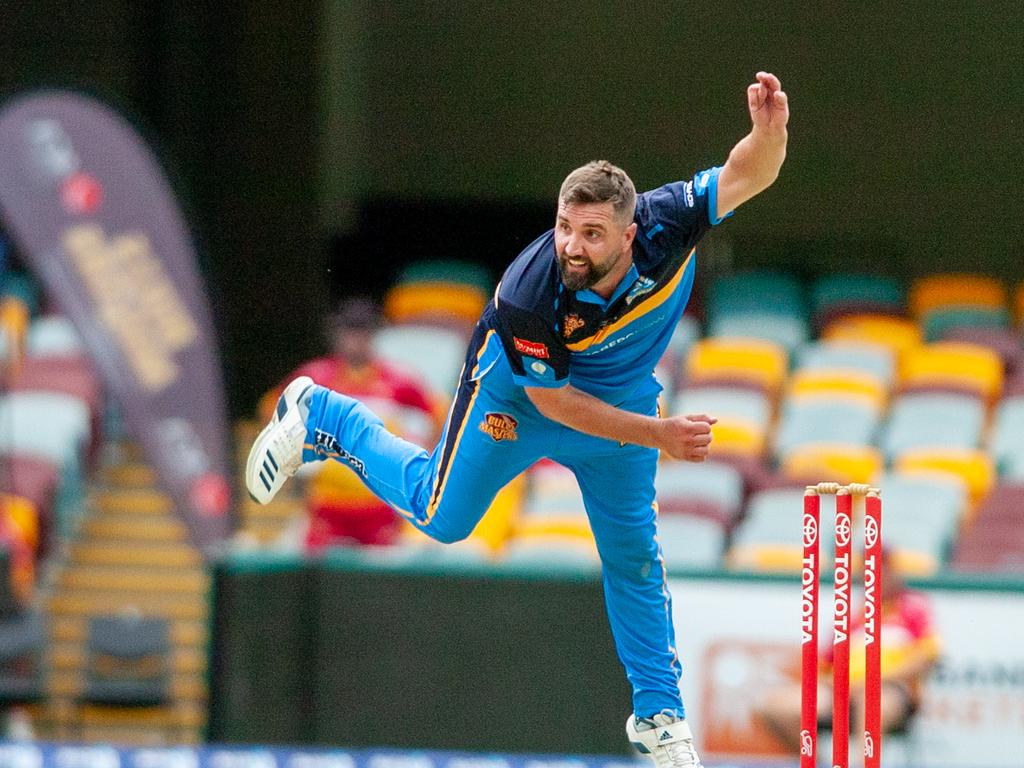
x: 341, y: 510
x: 910, y: 650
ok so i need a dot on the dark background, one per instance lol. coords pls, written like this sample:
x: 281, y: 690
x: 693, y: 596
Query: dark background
x: 317, y: 146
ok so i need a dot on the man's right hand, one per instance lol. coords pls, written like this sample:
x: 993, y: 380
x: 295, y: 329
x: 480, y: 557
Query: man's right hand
x: 686, y: 437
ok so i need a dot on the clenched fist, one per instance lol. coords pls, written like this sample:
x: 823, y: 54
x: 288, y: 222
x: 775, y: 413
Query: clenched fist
x: 686, y: 437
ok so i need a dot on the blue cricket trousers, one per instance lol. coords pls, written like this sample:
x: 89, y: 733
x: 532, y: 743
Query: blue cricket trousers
x: 493, y: 432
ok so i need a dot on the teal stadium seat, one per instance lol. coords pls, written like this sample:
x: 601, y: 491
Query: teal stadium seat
x: 932, y: 420
x: 834, y: 296
x: 755, y: 292
x: 939, y: 323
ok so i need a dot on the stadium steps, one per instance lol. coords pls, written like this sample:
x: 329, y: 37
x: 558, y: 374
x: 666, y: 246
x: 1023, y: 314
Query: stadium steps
x: 131, y: 554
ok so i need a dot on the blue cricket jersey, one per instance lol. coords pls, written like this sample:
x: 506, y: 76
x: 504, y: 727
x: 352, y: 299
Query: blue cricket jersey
x: 553, y: 336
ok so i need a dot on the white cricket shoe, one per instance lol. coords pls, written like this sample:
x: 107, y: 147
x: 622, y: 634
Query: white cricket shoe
x: 665, y: 738
x: 277, y: 453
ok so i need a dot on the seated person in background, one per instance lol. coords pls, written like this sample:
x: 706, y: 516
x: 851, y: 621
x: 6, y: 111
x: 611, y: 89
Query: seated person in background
x: 910, y: 649
x: 341, y: 510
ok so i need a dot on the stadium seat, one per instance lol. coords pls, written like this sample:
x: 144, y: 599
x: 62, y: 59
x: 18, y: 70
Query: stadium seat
x: 689, y: 541
x: 446, y: 292
x: 952, y: 365
x: 842, y: 463
x: 941, y: 321
x: 434, y: 354
x: 788, y: 331
x: 922, y: 514
x: 893, y: 333
x: 767, y: 539
x: 719, y: 487
x: 835, y: 296
x: 819, y: 421
x: 1005, y: 342
x: 724, y: 403
x: 837, y: 386
x: 955, y: 290
x: 973, y: 467
x: 751, y: 362
x: 848, y: 356
x: 743, y: 416
x: 755, y: 292
x: 447, y: 271
x: 932, y: 420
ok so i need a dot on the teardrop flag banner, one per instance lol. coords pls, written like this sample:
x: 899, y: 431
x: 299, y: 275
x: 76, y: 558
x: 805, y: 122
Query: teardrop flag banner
x: 96, y: 221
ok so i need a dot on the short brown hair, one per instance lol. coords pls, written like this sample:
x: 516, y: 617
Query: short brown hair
x: 600, y: 182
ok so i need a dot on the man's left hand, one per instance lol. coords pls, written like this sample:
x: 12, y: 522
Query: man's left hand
x: 768, y: 103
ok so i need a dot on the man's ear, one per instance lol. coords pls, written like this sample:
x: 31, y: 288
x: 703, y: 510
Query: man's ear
x: 628, y: 234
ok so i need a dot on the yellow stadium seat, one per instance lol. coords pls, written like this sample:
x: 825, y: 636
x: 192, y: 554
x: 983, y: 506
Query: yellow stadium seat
x: 765, y: 558
x: 839, y: 385
x: 955, y: 290
x: 956, y: 364
x: 1018, y: 304
x: 975, y: 468
x: 409, y: 301
x: 896, y: 334
x: 842, y: 463
x: 750, y: 361
x: 736, y: 437
x: 915, y: 564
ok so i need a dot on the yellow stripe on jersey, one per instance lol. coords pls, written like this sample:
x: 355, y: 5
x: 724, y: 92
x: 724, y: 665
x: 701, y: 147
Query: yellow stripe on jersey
x: 446, y: 461
x: 654, y: 301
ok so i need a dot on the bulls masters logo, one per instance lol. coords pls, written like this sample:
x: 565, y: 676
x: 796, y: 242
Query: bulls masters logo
x: 500, y: 426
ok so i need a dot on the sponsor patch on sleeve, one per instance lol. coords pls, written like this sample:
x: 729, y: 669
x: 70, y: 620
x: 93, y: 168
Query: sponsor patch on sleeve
x: 531, y: 348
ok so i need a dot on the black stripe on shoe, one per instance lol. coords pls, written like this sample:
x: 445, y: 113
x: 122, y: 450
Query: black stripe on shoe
x: 266, y: 468
x: 273, y: 463
x: 265, y: 483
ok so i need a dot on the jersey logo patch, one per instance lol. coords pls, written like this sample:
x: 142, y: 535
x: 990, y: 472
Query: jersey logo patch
x: 642, y: 286
x: 499, y: 426
x: 571, y: 324
x: 531, y: 348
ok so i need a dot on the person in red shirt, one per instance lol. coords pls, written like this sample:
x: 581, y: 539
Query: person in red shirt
x: 910, y: 649
x: 341, y: 510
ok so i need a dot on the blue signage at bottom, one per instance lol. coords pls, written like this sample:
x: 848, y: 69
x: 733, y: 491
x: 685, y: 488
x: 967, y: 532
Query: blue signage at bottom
x: 42, y: 755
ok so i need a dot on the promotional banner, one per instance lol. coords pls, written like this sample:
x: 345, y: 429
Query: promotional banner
x: 740, y: 639
x: 96, y: 221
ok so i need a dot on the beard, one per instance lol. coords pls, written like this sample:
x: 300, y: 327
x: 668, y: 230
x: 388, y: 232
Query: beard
x: 583, y: 278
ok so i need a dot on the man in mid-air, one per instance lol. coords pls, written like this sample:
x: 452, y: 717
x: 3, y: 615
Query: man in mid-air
x: 561, y: 366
